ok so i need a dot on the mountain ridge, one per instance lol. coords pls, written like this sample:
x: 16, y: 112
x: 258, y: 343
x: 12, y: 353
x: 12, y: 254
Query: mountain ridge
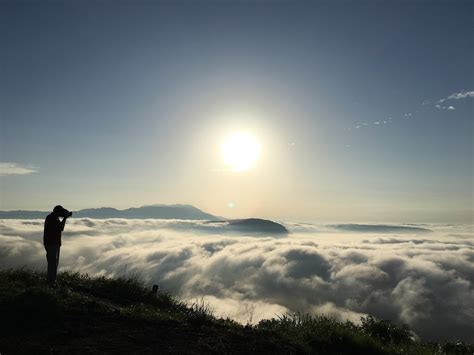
x: 159, y: 211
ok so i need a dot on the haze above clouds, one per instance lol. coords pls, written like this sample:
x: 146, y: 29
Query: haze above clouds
x: 417, y: 277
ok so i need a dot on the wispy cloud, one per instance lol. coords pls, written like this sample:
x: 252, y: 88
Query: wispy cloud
x: 441, y: 107
x: 15, y: 169
x: 454, y: 96
x: 458, y: 96
x: 440, y: 104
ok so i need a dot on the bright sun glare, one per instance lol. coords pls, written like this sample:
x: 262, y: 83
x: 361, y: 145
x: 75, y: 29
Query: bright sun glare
x: 240, y: 151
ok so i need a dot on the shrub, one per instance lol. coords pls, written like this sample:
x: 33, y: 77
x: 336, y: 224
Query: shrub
x: 386, y: 331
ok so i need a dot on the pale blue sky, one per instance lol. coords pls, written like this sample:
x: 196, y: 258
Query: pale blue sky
x: 126, y: 103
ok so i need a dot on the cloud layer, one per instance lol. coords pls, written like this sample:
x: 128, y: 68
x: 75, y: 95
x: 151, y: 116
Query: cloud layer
x: 412, y: 276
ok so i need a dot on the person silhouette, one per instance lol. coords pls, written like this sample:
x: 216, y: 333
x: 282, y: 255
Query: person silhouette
x: 53, y: 228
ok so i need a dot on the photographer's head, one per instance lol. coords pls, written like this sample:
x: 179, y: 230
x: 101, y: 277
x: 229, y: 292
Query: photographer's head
x: 60, y: 211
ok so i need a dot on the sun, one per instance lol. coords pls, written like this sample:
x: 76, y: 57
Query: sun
x: 240, y: 151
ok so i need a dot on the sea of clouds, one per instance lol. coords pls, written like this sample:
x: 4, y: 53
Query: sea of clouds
x: 420, y: 277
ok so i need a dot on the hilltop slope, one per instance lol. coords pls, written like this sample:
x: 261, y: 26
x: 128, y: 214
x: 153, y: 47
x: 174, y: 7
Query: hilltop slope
x: 101, y: 315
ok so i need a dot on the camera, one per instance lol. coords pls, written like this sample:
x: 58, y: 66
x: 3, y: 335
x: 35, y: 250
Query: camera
x: 65, y: 213
x: 62, y: 212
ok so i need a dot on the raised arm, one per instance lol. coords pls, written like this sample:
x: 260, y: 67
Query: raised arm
x: 62, y: 223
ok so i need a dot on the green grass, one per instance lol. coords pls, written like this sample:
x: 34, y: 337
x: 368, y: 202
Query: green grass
x: 102, y: 315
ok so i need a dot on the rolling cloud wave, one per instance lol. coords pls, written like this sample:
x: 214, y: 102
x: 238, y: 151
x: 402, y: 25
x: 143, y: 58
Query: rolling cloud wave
x: 409, y: 276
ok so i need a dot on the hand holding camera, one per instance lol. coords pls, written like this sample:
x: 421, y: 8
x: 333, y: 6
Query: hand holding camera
x: 62, y: 212
x: 66, y: 214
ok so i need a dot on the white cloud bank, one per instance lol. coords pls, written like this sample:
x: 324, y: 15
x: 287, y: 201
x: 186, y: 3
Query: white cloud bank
x: 420, y: 278
x: 15, y: 169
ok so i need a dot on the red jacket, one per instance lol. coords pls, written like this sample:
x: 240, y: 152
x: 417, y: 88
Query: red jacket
x: 53, y: 228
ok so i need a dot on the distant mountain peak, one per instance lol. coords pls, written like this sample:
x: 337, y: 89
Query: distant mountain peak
x: 170, y: 205
x: 258, y: 225
x: 158, y: 211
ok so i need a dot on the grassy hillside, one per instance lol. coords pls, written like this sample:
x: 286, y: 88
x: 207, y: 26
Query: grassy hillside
x: 102, y: 315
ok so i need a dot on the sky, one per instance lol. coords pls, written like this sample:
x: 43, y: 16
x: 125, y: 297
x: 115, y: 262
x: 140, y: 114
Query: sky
x: 363, y: 110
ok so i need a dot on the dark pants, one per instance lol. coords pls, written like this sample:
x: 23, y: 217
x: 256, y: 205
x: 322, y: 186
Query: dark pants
x: 52, y: 256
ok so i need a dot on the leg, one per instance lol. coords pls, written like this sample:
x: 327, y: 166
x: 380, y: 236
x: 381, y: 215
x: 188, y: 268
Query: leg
x: 57, y: 261
x: 51, y: 259
x: 52, y: 256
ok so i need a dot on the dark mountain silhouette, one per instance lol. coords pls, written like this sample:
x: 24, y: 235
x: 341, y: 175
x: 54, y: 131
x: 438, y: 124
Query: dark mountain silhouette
x: 379, y: 228
x: 23, y: 214
x: 152, y: 211
x: 241, y: 226
x: 256, y: 225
